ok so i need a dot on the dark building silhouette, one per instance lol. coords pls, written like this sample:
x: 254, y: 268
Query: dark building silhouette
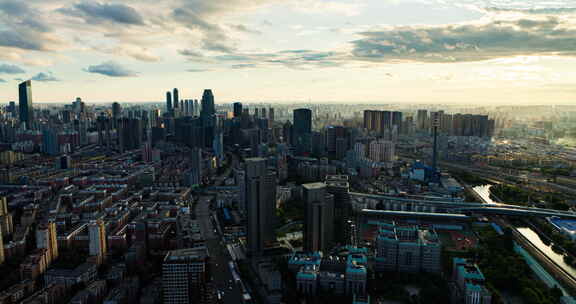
x: 175, y: 100
x: 207, y: 117
x: 319, y: 217
x: 129, y: 133
x: 261, y: 205
x: 116, y: 113
x: 168, y: 102
x: 302, y: 130
x: 25, y: 104
x: 237, y: 109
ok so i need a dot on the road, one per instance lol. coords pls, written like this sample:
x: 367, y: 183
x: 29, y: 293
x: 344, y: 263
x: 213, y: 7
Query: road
x: 219, y: 257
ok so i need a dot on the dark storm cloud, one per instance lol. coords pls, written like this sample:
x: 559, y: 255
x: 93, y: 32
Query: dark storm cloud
x: 10, y: 69
x: 94, y: 12
x: 112, y: 69
x: 472, y: 42
x: 45, y: 77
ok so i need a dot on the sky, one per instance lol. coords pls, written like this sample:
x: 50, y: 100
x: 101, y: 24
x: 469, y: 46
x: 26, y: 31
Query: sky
x: 476, y: 52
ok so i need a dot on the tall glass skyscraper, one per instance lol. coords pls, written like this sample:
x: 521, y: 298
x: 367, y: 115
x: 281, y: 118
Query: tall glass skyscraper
x: 168, y: 102
x: 302, y: 130
x: 176, y: 98
x: 26, y: 108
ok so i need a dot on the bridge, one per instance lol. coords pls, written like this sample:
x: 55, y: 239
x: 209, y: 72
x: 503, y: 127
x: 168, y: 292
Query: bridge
x: 362, y: 201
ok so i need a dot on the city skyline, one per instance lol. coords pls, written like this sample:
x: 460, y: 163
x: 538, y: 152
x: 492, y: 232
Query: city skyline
x: 416, y: 51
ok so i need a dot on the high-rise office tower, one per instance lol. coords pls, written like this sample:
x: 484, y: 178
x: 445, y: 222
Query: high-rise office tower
x: 196, y: 108
x: 422, y: 120
x: 319, y: 217
x: 260, y: 205
x: 168, y: 102
x: 97, y: 236
x: 50, y: 142
x: 256, y: 113
x: 175, y: 98
x: 130, y: 134
x: 25, y: 104
x: 12, y: 108
x: 187, y: 107
x: 339, y: 186
x: 185, y: 273
x: 397, y: 121
x: 271, y: 116
x: 237, y: 109
x: 46, y: 239
x: 207, y: 117
x: 208, y: 107
x: 116, y: 113
x: 302, y: 130
x: 182, y: 106
x: 263, y: 113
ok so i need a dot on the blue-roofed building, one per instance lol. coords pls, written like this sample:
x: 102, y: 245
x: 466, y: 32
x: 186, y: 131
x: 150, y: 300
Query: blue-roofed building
x: 407, y: 249
x: 342, y: 273
x: 307, y: 279
x: 301, y: 259
x: 356, y: 274
x: 468, y: 285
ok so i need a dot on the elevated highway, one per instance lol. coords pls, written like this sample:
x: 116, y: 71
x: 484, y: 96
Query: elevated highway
x: 362, y: 201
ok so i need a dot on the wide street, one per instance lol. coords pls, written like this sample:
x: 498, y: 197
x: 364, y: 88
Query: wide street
x: 219, y: 256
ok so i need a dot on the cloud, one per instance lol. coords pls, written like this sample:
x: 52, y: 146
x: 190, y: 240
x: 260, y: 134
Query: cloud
x: 190, y: 53
x: 133, y: 51
x: 45, y: 77
x: 198, y: 70
x: 533, y: 11
x: 243, y: 66
x: 217, y: 46
x: 94, y: 12
x: 467, y: 42
x: 10, y: 69
x: 244, y: 29
x: 19, y: 15
x: 112, y: 69
x: 298, y: 59
x: 2, y: 80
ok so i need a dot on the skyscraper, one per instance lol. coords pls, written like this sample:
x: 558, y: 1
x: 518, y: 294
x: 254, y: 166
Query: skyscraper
x: 207, y: 117
x: 97, y: 234
x: 184, y: 276
x: 175, y: 100
x: 168, y: 102
x: 237, y: 109
x: 208, y: 108
x: 46, y: 239
x: 302, y: 130
x: 116, y: 112
x: 261, y: 205
x: 25, y: 104
x: 319, y: 217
